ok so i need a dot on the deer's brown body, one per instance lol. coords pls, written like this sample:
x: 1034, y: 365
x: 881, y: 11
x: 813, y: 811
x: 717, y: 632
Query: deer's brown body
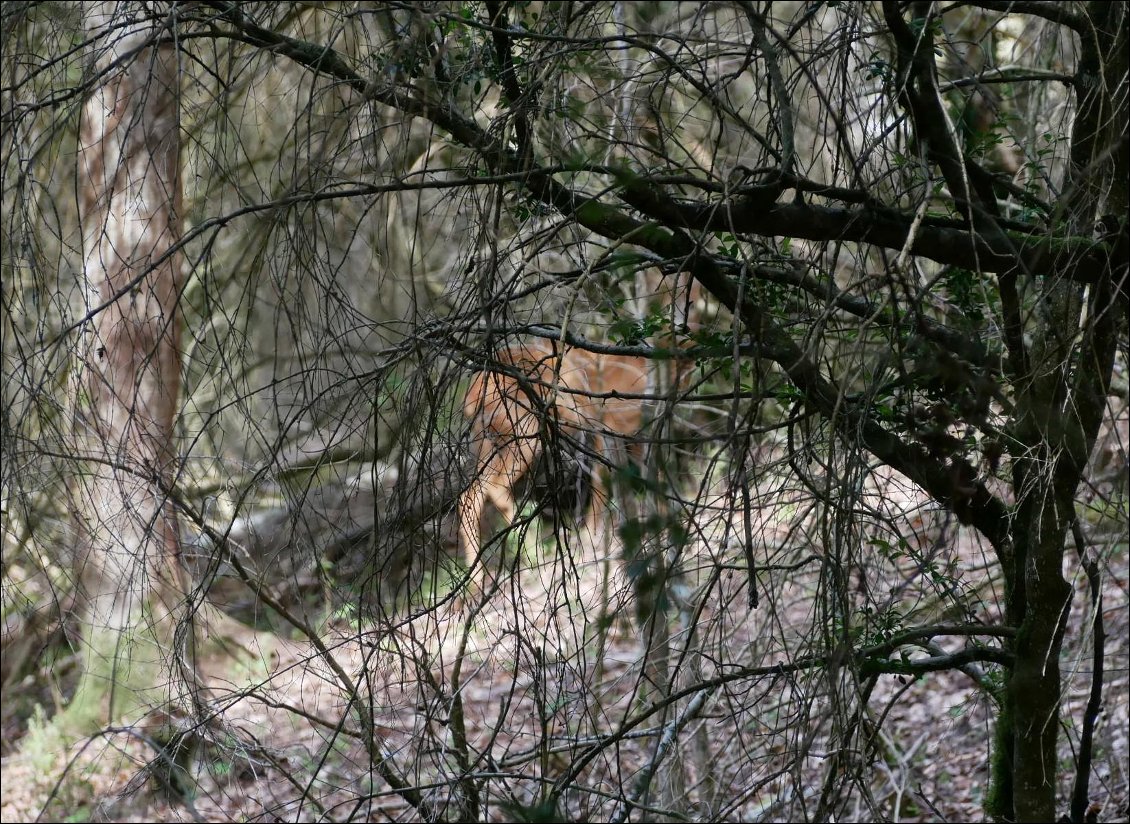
x: 586, y: 396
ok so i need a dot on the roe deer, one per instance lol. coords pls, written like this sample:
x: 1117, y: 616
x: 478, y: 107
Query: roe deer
x: 537, y: 381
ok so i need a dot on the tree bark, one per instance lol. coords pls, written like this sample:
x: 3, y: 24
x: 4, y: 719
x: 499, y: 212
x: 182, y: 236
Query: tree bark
x: 128, y: 372
x: 1060, y: 405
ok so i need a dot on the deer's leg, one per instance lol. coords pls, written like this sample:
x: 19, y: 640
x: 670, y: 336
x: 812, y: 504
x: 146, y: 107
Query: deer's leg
x: 498, y: 478
x: 503, y: 457
x: 470, y: 520
x: 600, y: 487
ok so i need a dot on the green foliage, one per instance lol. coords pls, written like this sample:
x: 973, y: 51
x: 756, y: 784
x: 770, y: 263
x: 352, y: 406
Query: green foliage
x: 877, y: 67
x: 879, y: 626
x: 728, y: 246
x: 973, y: 293
x: 631, y: 332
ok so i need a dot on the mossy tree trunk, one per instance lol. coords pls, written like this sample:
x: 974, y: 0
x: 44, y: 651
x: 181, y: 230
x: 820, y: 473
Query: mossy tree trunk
x: 1061, y: 379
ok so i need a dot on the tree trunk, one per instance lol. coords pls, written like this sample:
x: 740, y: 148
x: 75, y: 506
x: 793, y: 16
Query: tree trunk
x: 1061, y: 399
x: 128, y: 372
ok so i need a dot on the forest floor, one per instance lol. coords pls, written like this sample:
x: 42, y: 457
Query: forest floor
x: 281, y: 750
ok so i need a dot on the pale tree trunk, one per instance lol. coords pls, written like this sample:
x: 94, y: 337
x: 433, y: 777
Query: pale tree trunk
x: 128, y: 371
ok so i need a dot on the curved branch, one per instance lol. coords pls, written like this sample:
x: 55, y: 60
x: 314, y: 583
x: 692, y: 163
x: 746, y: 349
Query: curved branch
x: 1051, y: 10
x: 938, y: 663
x: 919, y: 634
x: 1067, y: 258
